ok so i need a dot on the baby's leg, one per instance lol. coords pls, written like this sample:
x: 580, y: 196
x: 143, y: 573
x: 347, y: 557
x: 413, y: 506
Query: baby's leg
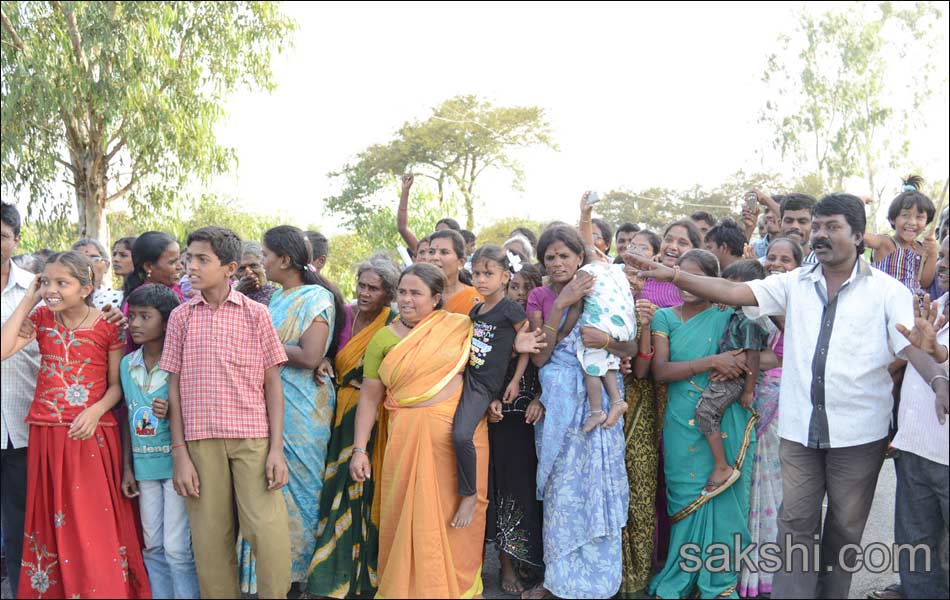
x: 596, y: 415
x: 618, y: 407
x: 712, y: 404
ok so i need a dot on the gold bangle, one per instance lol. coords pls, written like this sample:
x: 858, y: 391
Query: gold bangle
x: 553, y: 330
x: 676, y: 273
x: 607, y: 343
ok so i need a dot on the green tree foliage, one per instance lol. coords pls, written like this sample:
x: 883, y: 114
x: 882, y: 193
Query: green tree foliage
x: 464, y: 137
x: 657, y: 207
x: 847, y: 85
x: 498, y: 232
x: 378, y: 233
x: 120, y: 99
x: 58, y: 232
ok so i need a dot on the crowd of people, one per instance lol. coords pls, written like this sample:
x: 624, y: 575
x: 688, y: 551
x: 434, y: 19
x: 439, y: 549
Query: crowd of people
x: 605, y: 410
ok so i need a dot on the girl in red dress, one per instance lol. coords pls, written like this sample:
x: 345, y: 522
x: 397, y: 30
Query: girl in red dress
x: 80, y: 537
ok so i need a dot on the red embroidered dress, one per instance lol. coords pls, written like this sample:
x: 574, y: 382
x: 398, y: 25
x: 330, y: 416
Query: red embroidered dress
x: 80, y: 536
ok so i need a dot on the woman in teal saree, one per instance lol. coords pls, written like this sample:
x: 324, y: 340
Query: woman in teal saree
x: 686, y: 340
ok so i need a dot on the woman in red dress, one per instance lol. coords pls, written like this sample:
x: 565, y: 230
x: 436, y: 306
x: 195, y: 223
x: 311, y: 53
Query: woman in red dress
x: 80, y: 536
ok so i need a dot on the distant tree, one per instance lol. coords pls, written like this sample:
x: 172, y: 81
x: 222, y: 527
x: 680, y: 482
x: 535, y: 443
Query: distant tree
x: 498, y: 232
x: 121, y: 99
x: 847, y: 86
x: 656, y: 207
x: 462, y: 139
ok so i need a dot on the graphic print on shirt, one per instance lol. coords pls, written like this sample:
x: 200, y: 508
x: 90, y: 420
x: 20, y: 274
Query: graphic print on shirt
x: 144, y: 422
x: 483, y: 334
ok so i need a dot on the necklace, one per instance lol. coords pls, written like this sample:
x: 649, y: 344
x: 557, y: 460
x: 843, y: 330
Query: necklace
x: 62, y: 321
x: 404, y: 324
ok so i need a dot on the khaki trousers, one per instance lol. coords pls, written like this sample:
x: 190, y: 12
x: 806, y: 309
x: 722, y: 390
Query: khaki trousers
x: 232, y: 474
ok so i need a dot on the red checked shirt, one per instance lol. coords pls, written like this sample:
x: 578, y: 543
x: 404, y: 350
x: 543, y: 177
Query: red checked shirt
x: 220, y: 355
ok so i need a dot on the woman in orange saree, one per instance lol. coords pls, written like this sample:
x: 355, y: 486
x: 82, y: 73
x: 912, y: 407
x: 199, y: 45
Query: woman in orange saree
x: 415, y: 364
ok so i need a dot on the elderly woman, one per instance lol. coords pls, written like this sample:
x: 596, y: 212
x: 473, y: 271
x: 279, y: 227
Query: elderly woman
x: 415, y: 364
x: 252, y: 282
x: 581, y: 478
x: 521, y: 246
x: 344, y: 563
x: 97, y: 254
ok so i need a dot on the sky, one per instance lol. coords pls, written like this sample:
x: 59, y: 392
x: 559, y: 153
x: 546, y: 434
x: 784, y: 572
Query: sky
x: 637, y: 95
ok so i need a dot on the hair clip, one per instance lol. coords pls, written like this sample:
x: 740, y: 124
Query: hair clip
x: 514, y: 261
x: 908, y: 188
x: 311, y: 268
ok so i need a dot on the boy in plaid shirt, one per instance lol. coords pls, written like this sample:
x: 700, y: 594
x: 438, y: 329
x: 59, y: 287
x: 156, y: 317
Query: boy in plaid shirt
x: 226, y: 412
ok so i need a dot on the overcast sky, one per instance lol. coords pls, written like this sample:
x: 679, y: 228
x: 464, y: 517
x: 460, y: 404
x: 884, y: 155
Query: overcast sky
x: 637, y: 95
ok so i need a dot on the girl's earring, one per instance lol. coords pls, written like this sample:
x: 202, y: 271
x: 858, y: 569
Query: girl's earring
x: 148, y: 274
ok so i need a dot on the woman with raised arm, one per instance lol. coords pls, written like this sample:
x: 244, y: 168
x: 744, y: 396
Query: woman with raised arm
x: 581, y: 476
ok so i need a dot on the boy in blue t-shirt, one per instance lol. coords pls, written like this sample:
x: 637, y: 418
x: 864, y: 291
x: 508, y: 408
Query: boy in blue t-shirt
x: 146, y: 441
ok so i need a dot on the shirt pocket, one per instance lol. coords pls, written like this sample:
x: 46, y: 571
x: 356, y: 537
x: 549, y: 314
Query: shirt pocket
x: 243, y: 349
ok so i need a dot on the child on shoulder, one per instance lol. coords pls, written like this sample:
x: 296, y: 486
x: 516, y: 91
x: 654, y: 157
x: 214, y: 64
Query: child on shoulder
x: 911, y: 261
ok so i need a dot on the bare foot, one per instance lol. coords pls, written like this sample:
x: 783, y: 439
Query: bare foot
x: 617, y: 410
x: 510, y: 582
x: 536, y: 593
x: 465, y: 513
x: 594, y: 418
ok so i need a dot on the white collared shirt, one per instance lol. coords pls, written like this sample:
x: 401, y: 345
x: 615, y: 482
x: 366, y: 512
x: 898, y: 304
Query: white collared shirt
x: 918, y: 429
x: 20, y: 370
x: 836, y: 389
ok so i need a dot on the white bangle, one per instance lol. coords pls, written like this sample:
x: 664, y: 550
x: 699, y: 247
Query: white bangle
x: 935, y: 378
x: 357, y: 449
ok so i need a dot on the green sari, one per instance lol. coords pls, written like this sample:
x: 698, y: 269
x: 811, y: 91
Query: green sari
x: 688, y: 464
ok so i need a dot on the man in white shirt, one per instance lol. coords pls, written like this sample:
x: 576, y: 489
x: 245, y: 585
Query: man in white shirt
x: 922, y: 508
x: 835, y: 400
x: 18, y: 385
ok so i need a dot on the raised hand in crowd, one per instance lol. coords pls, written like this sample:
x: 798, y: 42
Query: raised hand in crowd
x: 928, y: 320
x: 402, y: 213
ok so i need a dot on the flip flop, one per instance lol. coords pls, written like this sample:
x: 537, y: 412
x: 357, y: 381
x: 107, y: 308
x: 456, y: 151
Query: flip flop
x: 721, y: 486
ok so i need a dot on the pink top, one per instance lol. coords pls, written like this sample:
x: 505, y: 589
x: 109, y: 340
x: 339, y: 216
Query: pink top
x: 541, y: 299
x: 344, y: 336
x: 662, y: 293
x: 778, y: 347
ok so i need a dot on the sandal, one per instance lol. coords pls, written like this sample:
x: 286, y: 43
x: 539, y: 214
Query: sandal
x: 721, y: 486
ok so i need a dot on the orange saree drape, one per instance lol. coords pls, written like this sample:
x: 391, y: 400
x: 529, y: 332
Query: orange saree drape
x: 420, y: 555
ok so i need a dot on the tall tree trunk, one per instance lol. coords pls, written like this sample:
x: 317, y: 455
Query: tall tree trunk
x: 469, y: 210
x: 90, y: 182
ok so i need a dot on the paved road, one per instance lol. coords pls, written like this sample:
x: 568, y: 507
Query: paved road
x: 880, y: 528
